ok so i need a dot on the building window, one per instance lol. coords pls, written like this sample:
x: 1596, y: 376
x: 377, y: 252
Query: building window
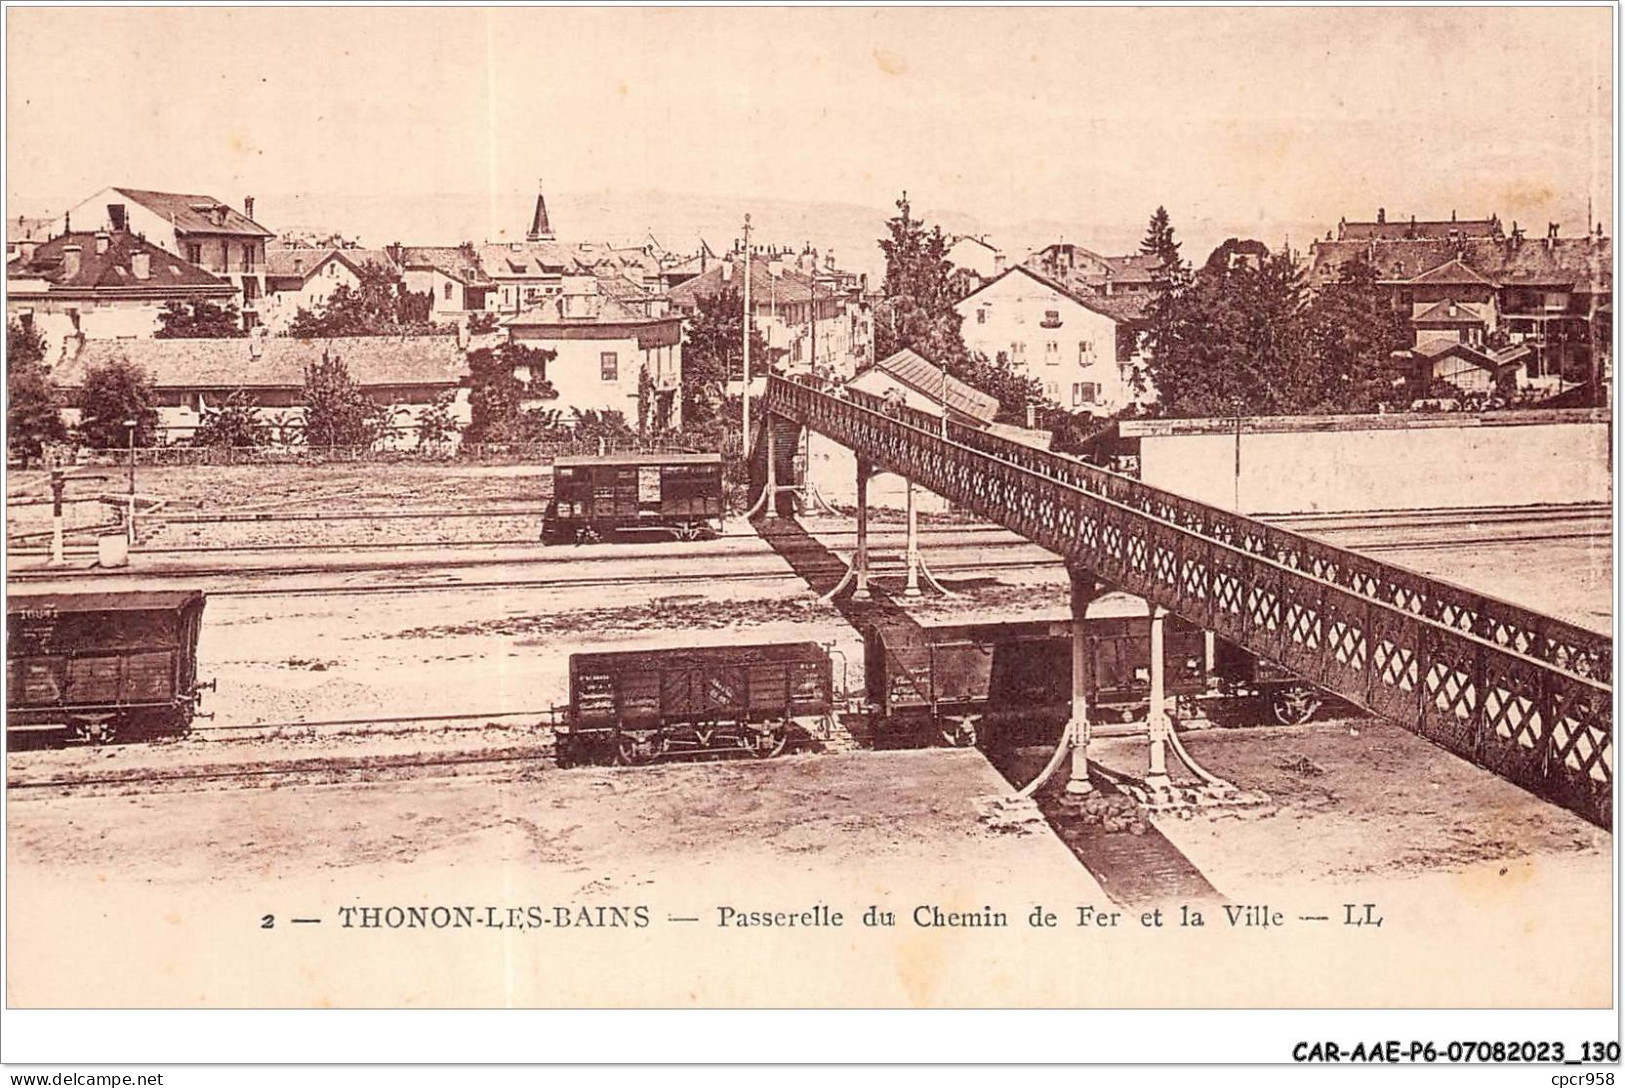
x: 609, y: 368
x: 115, y: 217
x: 1084, y: 393
x: 1052, y: 319
x: 194, y: 252
x: 981, y: 315
x: 447, y: 294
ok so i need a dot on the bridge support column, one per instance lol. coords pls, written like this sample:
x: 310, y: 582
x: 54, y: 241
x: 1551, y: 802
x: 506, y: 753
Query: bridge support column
x: 912, y: 588
x: 810, y: 498
x: 860, y: 553
x: 1157, y: 724
x: 770, y: 489
x: 1084, y: 590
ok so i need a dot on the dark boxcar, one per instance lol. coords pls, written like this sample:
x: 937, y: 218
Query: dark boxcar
x: 641, y: 705
x: 964, y: 681
x: 596, y: 498
x: 102, y: 664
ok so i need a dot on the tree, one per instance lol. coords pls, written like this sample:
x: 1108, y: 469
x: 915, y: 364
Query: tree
x: 377, y: 306
x: 1355, y: 330
x: 437, y: 425
x: 713, y: 355
x: 32, y: 415
x: 917, y: 305
x: 235, y: 423
x: 1159, y: 241
x: 338, y: 412
x: 495, y: 393
x: 113, y: 393
x: 917, y: 311
x: 24, y: 343
x: 199, y: 320
x: 1235, y: 339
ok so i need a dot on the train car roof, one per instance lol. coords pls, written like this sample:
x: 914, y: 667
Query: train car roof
x: 108, y: 601
x: 577, y: 461
x: 1114, y: 605
x: 760, y: 653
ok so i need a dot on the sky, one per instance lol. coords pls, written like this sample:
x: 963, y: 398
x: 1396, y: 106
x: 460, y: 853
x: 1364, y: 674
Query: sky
x: 435, y: 124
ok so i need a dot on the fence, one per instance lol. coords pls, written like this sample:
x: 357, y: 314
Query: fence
x: 468, y: 452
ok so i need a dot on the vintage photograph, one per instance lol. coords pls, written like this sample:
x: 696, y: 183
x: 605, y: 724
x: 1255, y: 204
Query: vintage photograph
x: 834, y: 508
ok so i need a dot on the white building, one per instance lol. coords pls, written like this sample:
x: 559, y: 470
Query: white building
x: 976, y: 255
x: 304, y: 278
x: 1083, y: 351
x: 102, y: 285
x: 201, y: 230
x: 603, y: 350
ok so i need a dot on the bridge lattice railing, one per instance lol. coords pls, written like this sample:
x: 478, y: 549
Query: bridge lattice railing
x: 1526, y: 695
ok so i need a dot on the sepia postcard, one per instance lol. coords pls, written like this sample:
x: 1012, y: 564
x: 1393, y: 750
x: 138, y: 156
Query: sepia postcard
x: 812, y: 508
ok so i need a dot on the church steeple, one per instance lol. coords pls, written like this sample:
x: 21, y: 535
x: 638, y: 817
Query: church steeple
x: 540, y: 229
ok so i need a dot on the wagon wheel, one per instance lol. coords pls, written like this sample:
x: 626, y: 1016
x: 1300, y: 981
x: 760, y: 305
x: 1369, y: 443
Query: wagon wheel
x: 95, y: 730
x: 637, y: 749
x: 588, y: 535
x: 959, y: 730
x: 1294, y: 705
x: 686, y: 531
x: 764, y: 742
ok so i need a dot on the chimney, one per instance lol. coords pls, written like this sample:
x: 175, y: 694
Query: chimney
x: 70, y: 261
x: 1382, y: 215
x: 141, y: 265
x: 998, y: 264
x: 102, y: 241
x: 727, y: 271
x: 248, y: 207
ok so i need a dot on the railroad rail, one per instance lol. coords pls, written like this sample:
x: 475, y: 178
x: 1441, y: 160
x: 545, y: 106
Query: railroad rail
x: 1521, y: 694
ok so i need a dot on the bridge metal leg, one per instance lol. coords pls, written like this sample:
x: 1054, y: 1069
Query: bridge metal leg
x: 770, y: 489
x: 1084, y: 590
x: 860, y: 553
x: 811, y: 498
x: 1157, y: 724
x: 912, y: 589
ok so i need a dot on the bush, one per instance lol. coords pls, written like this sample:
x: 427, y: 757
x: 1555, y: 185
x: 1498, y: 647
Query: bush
x: 337, y: 411
x: 235, y: 424
x: 113, y: 394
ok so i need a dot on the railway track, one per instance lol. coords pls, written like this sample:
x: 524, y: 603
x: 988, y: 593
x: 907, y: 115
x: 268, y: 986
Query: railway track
x: 323, y: 770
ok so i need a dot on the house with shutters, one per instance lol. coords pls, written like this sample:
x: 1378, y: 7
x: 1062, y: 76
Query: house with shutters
x: 201, y: 230
x: 1082, y: 349
x: 608, y: 356
x: 305, y: 277
x: 1476, y: 282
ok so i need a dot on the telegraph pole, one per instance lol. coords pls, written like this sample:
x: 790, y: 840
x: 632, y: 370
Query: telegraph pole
x: 745, y: 398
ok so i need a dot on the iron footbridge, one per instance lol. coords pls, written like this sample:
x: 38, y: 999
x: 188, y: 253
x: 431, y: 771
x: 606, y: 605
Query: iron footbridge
x: 1522, y: 694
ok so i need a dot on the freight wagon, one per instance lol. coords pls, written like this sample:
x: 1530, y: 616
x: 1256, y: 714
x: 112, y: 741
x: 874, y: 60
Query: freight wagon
x: 637, y: 706
x: 963, y: 683
x: 599, y: 498
x: 99, y: 666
